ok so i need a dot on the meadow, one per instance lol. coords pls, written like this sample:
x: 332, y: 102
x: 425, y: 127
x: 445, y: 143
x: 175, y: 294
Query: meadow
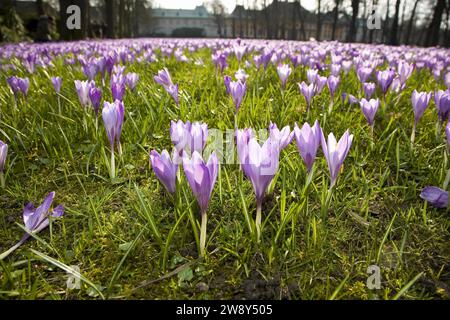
x: 127, y: 236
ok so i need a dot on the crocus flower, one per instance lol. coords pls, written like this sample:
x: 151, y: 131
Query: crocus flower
x: 404, y: 71
x: 308, y: 140
x: 385, y: 79
x: 3, y: 153
x: 83, y: 88
x: 420, y: 101
x: 351, y: 98
x: 165, y: 168
x: 283, y: 137
x: 220, y: 61
x: 180, y: 134
x: 113, y: 114
x: 260, y: 164
x: 198, y: 134
x: 239, y: 51
x: 131, y: 80
x: 227, y: 80
x: 335, y: 153
x: 369, y: 89
x: 364, y: 73
x: 284, y: 71
x: 57, y: 82
x: 307, y: 91
x: 435, y: 196
x: 312, y: 74
x: 333, y: 83
x: 447, y: 80
x: 201, y: 177
x: 320, y: 83
x: 369, y: 109
x: 442, y: 102
x: 163, y: 78
x: 118, y: 86
x: 447, y: 132
x: 257, y: 59
x: 241, y: 75
x: 237, y: 90
x: 37, y: 219
x: 13, y: 83
x: 95, y: 95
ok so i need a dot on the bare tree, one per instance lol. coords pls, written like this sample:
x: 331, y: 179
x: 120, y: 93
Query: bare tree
x: 432, y: 38
x: 411, y: 22
x: 110, y: 12
x: 352, y: 32
x: 319, y: 23
x: 218, y: 10
x: 335, y: 18
x: 394, y: 41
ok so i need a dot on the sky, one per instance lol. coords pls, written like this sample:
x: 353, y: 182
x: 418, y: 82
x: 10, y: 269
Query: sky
x: 229, y: 4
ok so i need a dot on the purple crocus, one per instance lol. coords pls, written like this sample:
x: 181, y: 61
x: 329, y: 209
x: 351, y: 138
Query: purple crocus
x: 3, y: 153
x: 83, y: 88
x: 95, y: 95
x: 13, y: 83
x: 227, y: 80
x: 369, y: 109
x: 284, y: 71
x: 57, y: 82
x: 163, y: 78
x: 118, y: 86
x: 385, y: 79
x: 420, y: 101
x: 335, y: 153
x: 447, y: 133
x: 308, y: 92
x: 308, y: 140
x: 198, y: 134
x: 131, y: 80
x: 165, y: 168
x: 320, y: 83
x: 333, y: 83
x: 442, y: 102
x: 435, y: 196
x: 36, y: 219
x: 180, y: 134
x: 369, y: 89
x: 404, y: 71
x: 283, y: 137
x: 201, y: 177
x: 364, y: 73
x: 311, y: 75
x: 237, y: 90
x: 260, y: 164
x: 113, y: 114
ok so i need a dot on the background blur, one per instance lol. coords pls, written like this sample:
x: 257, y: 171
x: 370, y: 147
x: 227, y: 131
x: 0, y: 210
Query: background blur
x: 395, y: 22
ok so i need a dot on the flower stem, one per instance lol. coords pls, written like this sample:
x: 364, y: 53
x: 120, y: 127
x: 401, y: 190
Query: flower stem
x: 113, y: 164
x: 2, y: 179
x: 203, y: 234
x: 13, y: 248
x: 258, y: 221
x: 447, y: 180
x: 413, y: 134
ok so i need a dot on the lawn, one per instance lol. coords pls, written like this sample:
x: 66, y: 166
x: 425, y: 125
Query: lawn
x: 131, y: 239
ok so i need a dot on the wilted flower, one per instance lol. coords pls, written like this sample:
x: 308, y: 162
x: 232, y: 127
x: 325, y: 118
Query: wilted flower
x: 37, y: 219
x: 335, y: 153
x: 308, y: 141
x: 435, y: 196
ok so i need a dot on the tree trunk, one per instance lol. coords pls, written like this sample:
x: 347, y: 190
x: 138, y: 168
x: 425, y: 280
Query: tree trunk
x: 110, y: 11
x: 352, y: 32
x: 394, y: 41
x: 402, y: 24
x: 432, y: 38
x: 40, y: 7
x: 411, y: 22
x: 319, y: 23
x: 335, y: 19
x: 386, y: 22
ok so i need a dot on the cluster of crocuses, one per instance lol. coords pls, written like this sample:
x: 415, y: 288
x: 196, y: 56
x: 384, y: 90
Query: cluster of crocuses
x: 189, y: 141
x: 258, y: 162
x: 19, y: 85
x: 316, y: 84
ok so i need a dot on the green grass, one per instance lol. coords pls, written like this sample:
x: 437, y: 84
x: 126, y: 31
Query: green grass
x: 130, y: 241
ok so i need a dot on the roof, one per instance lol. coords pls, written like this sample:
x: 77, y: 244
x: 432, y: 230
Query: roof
x: 199, y: 12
